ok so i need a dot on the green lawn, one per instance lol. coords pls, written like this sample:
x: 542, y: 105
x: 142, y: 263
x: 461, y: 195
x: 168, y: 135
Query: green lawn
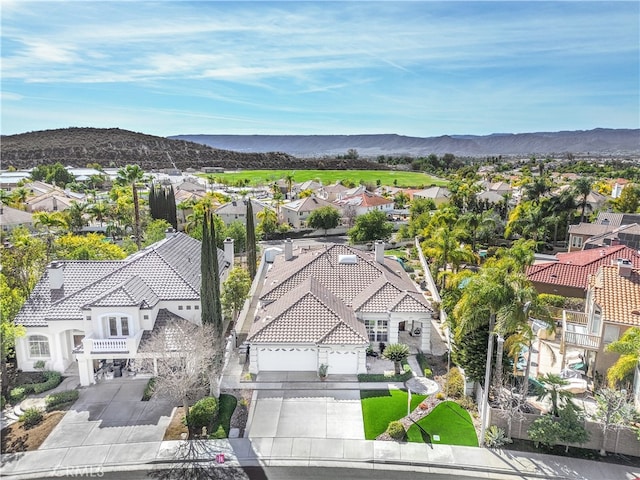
x: 449, y: 420
x: 379, y: 407
x: 386, y: 177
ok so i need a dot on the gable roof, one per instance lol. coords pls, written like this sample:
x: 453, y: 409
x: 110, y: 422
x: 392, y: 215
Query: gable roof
x: 239, y: 207
x: 573, y: 268
x: 363, y: 199
x: 617, y: 296
x: 166, y: 270
x: 307, y: 204
x: 310, y: 313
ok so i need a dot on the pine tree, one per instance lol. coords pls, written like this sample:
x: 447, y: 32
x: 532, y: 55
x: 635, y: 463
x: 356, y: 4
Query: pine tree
x: 251, y: 241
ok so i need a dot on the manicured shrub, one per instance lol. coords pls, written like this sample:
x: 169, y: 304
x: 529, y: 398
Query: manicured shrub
x: 17, y: 394
x: 427, y: 372
x: 467, y: 403
x: 396, y: 430
x: 496, y: 437
x: 440, y: 396
x: 406, y: 368
x: 455, y: 383
x: 203, y: 413
x: 56, y: 400
x: 31, y: 417
x: 219, y: 433
x: 52, y: 380
x: 148, y: 390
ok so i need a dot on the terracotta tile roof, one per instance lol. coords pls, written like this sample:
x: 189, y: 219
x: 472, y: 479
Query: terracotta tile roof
x: 618, y: 296
x: 313, y: 298
x: 573, y: 269
x: 364, y: 199
x: 166, y: 270
x: 310, y: 313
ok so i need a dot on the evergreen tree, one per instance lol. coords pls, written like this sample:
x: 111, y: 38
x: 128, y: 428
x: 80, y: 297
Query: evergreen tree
x: 251, y: 242
x: 213, y: 253
x: 206, y: 274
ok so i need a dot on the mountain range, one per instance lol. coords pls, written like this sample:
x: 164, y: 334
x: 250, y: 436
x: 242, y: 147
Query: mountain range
x: 600, y: 141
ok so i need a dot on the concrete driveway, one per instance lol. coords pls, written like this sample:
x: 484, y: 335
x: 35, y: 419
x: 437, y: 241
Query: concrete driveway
x: 108, y: 413
x: 332, y: 414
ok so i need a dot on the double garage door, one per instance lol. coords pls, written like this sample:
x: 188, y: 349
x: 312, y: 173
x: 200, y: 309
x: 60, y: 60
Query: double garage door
x: 300, y: 359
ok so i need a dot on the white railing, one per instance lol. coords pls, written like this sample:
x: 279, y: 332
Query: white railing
x: 582, y: 340
x: 112, y: 345
x: 572, y: 321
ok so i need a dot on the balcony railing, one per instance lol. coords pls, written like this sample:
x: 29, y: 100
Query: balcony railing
x: 574, y: 331
x: 111, y: 345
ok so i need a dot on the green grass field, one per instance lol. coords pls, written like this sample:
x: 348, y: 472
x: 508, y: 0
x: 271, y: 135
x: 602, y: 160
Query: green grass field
x: 386, y: 177
x: 448, y: 420
x: 379, y: 407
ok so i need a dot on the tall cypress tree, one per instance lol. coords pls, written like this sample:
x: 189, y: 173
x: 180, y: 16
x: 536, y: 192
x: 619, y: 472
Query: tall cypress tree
x: 251, y: 241
x: 213, y: 253
x: 207, y: 284
x: 172, y: 216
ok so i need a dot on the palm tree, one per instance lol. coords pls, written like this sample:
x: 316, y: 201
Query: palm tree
x: 628, y: 346
x: 19, y: 197
x: 99, y: 211
x: 397, y: 353
x: 289, y: 178
x: 75, y: 214
x: 536, y: 189
x: 582, y: 188
x: 445, y: 249
x: 553, y: 388
x: 51, y: 222
x: 133, y: 175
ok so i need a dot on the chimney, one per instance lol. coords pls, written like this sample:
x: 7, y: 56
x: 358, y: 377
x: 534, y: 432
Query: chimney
x: 288, y: 249
x: 169, y: 232
x: 379, y: 250
x: 624, y: 267
x: 56, y: 275
x: 228, y: 251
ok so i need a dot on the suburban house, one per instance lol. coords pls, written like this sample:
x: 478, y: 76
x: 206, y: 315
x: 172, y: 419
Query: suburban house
x: 612, y: 306
x: 365, y: 202
x: 11, y: 218
x: 618, y: 186
x: 236, y: 210
x: 331, y: 192
x: 329, y: 305
x: 439, y: 195
x: 91, y: 311
x: 296, y: 213
x: 54, y: 201
x: 568, y: 275
x: 608, y: 229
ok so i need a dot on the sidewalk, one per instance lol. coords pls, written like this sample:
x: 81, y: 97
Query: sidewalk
x: 361, y: 454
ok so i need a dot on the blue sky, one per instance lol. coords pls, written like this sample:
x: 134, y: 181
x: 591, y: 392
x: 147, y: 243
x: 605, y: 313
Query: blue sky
x: 417, y: 68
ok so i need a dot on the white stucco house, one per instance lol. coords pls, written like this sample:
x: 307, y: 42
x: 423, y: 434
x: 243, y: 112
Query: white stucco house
x: 87, y: 311
x: 297, y: 212
x: 328, y: 306
x: 236, y: 211
x: 365, y: 202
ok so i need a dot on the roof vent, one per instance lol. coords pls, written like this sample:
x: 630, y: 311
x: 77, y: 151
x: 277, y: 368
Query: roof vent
x: 347, y: 259
x: 624, y: 267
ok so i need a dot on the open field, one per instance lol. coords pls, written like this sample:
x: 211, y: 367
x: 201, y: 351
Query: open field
x: 386, y: 177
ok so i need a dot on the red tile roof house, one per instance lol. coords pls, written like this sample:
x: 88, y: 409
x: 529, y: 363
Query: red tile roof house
x: 365, y: 202
x: 569, y: 275
x: 326, y: 307
x: 612, y: 306
x: 93, y: 310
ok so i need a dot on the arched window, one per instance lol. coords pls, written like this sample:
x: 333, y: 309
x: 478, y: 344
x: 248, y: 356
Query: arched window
x: 39, y: 346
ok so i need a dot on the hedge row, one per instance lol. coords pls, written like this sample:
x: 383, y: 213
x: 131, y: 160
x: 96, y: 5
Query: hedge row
x: 56, y: 400
x: 52, y: 380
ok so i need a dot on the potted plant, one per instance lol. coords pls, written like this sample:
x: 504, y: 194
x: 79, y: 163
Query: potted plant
x: 322, y: 371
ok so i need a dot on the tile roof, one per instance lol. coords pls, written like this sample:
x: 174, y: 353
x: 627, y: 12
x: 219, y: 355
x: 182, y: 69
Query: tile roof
x: 133, y: 292
x: 313, y: 298
x: 171, y: 326
x: 239, y: 207
x: 166, y: 270
x: 621, y: 232
x: 364, y: 199
x: 13, y: 216
x: 618, y: 296
x: 310, y: 313
x: 307, y: 204
x: 573, y: 269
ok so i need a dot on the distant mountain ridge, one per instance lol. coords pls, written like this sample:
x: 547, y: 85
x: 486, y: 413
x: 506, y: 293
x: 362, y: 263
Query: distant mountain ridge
x: 597, y: 141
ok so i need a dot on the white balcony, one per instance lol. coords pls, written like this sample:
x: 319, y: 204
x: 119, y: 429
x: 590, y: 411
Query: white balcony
x: 575, y: 333
x: 128, y: 345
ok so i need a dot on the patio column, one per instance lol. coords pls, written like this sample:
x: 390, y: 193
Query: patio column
x: 85, y: 371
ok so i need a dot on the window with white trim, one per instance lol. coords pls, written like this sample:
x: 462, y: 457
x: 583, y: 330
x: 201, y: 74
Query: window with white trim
x: 576, y: 241
x: 378, y: 330
x: 118, y: 326
x: 39, y: 346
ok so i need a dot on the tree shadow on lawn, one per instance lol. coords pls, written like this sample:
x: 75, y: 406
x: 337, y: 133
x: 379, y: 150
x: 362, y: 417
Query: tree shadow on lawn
x: 450, y: 422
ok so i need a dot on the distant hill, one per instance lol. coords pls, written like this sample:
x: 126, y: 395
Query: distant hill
x: 598, y: 141
x: 113, y: 147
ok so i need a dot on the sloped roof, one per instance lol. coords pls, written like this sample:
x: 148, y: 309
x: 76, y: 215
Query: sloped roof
x: 618, y: 296
x: 307, y: 204
x: 13, y: 216
x: 133, y: 292
x: 239, y: 207
x: 305, y: 296
x: 623, y: 231
x: 364, y: 199
x: 573, y: 268
x: 433, y: 192
x: 310, y: 313
x: 166, y: 270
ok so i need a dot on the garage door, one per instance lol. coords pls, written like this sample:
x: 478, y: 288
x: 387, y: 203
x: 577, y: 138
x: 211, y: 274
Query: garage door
x: 287, y: 359
x: 343, y: 362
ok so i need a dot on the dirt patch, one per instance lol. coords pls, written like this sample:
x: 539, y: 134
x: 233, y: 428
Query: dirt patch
x: 15, y: 438
x: 176, y: 430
